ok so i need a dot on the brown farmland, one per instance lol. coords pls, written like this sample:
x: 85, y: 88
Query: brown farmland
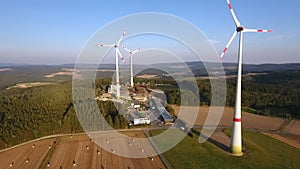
x: 293, y: 127
x: 250, y: 121
x: 77, y: 151
x: 25, y: 156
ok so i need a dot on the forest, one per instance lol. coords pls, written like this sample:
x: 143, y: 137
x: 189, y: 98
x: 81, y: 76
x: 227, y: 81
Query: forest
x: 34, y: 112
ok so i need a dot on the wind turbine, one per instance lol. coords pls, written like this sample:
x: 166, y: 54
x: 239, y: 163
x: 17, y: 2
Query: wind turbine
x: 236, y: 136
x: 118, y: 53
x: 131, y: 53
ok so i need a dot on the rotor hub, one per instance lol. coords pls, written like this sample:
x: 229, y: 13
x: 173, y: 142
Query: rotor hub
x: 239, y: 29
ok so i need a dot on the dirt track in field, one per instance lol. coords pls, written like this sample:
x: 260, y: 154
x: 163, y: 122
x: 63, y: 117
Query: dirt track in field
x: 77, y: 151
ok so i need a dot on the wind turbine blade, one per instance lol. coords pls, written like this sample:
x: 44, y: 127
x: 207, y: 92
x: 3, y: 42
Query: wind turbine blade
x: 121, y: 38
x: 105, y: 45
x: 126, y: 49
x: 257, y: 30
x: 228, y: 44
x: 137, y: 50
x: 119, y: 53
x: 236, y: 21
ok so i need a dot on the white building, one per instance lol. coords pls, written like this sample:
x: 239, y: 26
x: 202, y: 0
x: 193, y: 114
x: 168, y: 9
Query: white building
x: 140, y: 121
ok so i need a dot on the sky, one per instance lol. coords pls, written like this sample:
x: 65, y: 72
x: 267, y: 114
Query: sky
x: 55, y: 31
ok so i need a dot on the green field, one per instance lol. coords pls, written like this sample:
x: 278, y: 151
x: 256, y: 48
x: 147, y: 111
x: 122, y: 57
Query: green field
x: 261, y: 151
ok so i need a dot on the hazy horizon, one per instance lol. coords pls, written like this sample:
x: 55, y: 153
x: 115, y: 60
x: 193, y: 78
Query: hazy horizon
x: 60, y: 64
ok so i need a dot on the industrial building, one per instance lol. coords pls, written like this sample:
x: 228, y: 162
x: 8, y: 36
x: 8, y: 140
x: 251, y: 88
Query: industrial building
x: 138, y: 117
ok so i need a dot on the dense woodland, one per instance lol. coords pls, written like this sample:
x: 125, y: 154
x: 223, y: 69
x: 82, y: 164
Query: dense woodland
x: 31, y: 113
x: 35, y: 112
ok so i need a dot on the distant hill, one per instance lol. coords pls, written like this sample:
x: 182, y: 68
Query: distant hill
x: 2, y: 65
x: 30, y: 73
x: 23, y: 74
x: 202, y: 69
x: 177, y: 66
x: 271, y: 67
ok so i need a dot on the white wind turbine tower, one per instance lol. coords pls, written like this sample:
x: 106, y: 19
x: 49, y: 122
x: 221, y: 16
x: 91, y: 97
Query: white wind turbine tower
x: 236, y: 136
x: 131, y: 53
x: 118, y: 53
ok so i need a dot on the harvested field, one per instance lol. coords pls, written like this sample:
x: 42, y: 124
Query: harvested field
x: 67, y: 73
x: 250, y: 121
x: 146, y: 76
x: 245, y: 75
x: 5, y: 69
x: 101, y: 70
x: 78, y: 151
x: 28, y: 85
x: 33, y: 152
x: 293, y: 127
x: 231, y: 67
x: 72, y: 72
